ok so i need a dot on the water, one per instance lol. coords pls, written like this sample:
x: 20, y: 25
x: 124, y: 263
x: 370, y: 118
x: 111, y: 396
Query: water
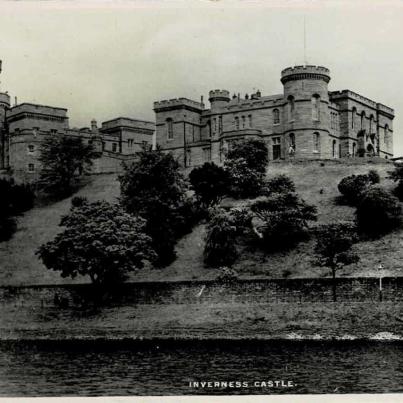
x: 166, y: 368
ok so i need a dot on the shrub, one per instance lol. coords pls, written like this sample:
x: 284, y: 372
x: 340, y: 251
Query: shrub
x: 22, y: 198
x: 253, y: 151
x: 244, y: 181
x: 78, y: 201
x: 227, y: 275
x: 279, y: 184
x: 352, y: 188
x: 284, y: 218
x: 210, y: 183
x: 378, y: 212
x: 374, y: 177
x: 101, y: 241
x: 398, y: 191
x: 8, y: 225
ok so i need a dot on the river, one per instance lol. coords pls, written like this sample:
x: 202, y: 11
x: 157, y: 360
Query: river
x: 121, y: 368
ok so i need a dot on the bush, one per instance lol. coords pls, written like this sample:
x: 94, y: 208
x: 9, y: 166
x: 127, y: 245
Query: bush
x: 227, y: 275
x: 398, y: 191
x: 279, y: 184
x: 253, y: 151
x: 210, y: 183
x: 284, y: 218
x: 353, y: 187
x: 374, y: 177
x: 378, y: 212
x: 8, y: 225
x: 78, y: 201
x: 244, y: 181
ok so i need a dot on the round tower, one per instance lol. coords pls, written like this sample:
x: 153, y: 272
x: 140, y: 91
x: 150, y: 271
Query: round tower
x: 218, y: 99
x: 306, y: 115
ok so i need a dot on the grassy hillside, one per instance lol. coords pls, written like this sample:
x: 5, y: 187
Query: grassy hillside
x: 316, y: 182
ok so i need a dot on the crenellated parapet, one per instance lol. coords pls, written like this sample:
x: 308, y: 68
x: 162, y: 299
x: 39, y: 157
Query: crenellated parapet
x: 305, y: 72
x: 4, y: 99
x: 177, y: 103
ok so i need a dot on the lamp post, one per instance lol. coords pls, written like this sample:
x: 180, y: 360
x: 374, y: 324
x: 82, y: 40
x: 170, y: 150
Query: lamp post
x: 380, y: 268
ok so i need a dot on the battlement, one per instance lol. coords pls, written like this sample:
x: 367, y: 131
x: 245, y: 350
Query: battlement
x: 386, y: 109
x: 216, y: 95
x: 4, y: 98
x: 303, y: 72
x: 178, y: 103
x: 38, y: 109
x: 128, y: 122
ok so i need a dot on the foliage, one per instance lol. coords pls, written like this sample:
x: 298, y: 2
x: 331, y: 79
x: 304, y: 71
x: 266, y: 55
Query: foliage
x: 353, y: 187
x: 101, y: 241
x: 378, y: 212
x: 397, y: 176
x: 253, y: 151
x: 154, y: 188
x: 279, y: 184
x: 227, y: 275
x: 222, y: 232
x: 15, y: 199
x: 244, y: 181
x: 334, y: 247
x: 64, y: 160
x: 210, y: 183
x: 284, y: 218
x: 373, y: 176
x: 398, y: 191
x: 78, y: 201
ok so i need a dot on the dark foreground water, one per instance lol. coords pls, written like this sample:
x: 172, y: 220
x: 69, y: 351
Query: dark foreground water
x: 167, y: 368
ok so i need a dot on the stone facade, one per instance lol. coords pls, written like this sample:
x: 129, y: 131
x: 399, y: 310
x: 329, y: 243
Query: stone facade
x: 306, y: 121
x: 23, y: 128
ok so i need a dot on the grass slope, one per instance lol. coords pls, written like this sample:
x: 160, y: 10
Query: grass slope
x: 315, y: 183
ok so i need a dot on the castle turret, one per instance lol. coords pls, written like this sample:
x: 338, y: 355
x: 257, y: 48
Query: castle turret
x: 306, y: 113
x: 218, y: 99
x: 4, y: 106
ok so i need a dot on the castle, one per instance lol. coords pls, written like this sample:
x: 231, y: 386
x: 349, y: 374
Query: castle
x: 307, y: 121
x: 24, y: 126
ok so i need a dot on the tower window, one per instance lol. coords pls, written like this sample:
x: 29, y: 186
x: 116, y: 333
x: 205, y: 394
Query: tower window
x: 316, y: 142
x: 276, y: 116
x: 353, y: 113
x: 362, y: 120
x: 31, y: 148
x: 31, y: 168
x: 292, y: 140
x: 130, y: 143
x: 207, y: 154
x: 315, y: 106
x: 243, y: 122
x: 170, y: 129
x: 237, y: 123
x: 114, y: 147
x: 250, y: 120
x: 334, y: 149
x: 291, y: 108
x: 220, y: 124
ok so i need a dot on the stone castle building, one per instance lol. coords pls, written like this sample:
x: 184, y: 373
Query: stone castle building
x: 24, y: 126
x: 306, y: 121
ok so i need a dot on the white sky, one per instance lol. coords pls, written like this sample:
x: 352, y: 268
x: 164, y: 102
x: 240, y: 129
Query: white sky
x: 109, y: 59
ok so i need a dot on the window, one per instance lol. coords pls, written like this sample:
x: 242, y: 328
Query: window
x: 371, y: 123
x: 207, y: 154
x: 31, y: 148
x: 31, y: 167
x: 16, y: 130
x: 53, y: 131
x: 250, y: 120
x: 170, y: 129
x: 353, y: 113
x: 315, y: 100
x: 291, y: 108
x: 236, y: 123
x: 114, y: 147
x: 220, y: 124
x: 215, y: 124
x: 292, y: 140
x: 103, y: 145
x: 316, y: 142
x: 386, y: 137
x: 188, y: 157
x: 334, y: 149
x: 130, y: 143
x: 276, y: 116
x: 243, y: 122
x: 354, y: 149
x: 362, y: 120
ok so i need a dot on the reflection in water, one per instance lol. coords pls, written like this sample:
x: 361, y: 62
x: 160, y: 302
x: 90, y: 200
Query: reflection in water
x: 166, y: 368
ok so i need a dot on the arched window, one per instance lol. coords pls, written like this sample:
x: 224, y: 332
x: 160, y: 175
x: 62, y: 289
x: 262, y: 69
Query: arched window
x: 316, y: 141
x: 353, y: 113
x: 243, y: 122
x: 362, y: 120
x: 170, y: 129
x: 250, y: 120
x: 315, y: 100
x: 334, y: 149
x: 208, y: 128
x: 276, y: 116
x: 354, y: 149
x: 292, y: 140
x: 386, y: 136
x: 291, y: 108
x: 236, y: 122
x: 371, y: 123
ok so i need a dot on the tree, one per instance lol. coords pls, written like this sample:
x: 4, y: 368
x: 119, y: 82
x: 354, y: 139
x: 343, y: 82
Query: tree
x: 222, y: 232
x: 253, y: 151
x: 279, y: 184
x: 284, y: 219
x: 378, y: 212
x: 333, y: 248
x: 154, y: 188
x: 64, y: 160
x: 354, y: 186
x: 397, y: 176
x: 210, y: 183
x: 101, y: 241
